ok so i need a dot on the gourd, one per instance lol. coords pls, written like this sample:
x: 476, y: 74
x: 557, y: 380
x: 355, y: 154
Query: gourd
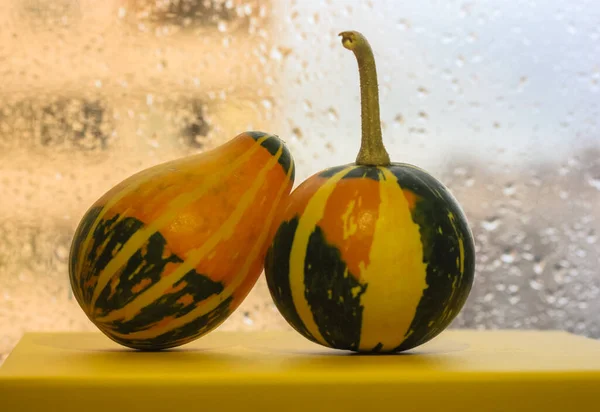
x: 371, y: 256
x: 167, y: 255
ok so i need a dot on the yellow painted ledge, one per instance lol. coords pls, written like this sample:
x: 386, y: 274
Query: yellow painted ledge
x: 281, y: 371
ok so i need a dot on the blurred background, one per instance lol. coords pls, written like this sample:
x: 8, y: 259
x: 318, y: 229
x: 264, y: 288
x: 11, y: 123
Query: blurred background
x: 499, y: 100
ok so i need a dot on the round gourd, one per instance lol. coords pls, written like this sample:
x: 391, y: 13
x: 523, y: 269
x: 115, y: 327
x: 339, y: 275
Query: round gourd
x: 373, y: 256
x: 169, y: 253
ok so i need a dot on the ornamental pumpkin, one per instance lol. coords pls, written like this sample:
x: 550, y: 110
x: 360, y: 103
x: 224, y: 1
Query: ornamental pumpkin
x: 166, y: 256
x: 372, y: 256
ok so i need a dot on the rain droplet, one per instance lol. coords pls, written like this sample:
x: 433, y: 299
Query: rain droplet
x: 332, y: 114
x: 508, y: 256
x: 297, y: 133
x: 403, y: 24
x: 523, y: 82
x: 267, y: 103
x: 248, y: 319
x: 491, y: 223
x: 509, y: 189
x: 591, y: 237
x: 535, y: 284
x: 61, y: 252
x: 594, y: 181
x: 538, y: 267
x: 448, y: 38
x: 222, y: 26
x: 399, y: 119
x: 423, y: 92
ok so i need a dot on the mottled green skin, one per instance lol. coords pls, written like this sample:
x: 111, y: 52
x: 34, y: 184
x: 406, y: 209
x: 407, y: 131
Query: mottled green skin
x: 340, y: 324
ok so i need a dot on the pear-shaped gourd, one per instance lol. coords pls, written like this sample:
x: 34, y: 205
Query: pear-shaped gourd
x: 165, y: 256
x: 371, y: 256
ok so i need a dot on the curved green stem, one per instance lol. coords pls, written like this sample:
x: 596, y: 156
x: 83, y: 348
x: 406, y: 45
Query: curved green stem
x: 372, y: 151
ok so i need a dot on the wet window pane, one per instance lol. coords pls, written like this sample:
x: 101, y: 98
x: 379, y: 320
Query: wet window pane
x: 499, y: 100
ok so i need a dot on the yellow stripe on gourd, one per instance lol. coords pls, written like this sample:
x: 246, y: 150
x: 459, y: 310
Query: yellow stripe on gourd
x: 180, y: 202
x: 224, y: 232
x: 214, y: 301
x: 396, y: 275
x: 312, y: 214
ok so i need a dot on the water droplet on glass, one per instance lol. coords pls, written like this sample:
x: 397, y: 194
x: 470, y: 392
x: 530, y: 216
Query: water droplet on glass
x: 491, y: 223
x: 594, y: 181
x: 509, y: 189
x: 403, y: 24
x: 535, y: 284
x: 297, y: 133
x: 488, y: 297
x: 538, y: 267
x: 248, y: 319
x: 523, y: 81
x: 61, y: 252
x: 332, y: 114
x: 222, y: 26
x: 591, y: 237
x: 422, y: 91
x: 508, y: 256
x: 448, y: 38
x: 267, y: 103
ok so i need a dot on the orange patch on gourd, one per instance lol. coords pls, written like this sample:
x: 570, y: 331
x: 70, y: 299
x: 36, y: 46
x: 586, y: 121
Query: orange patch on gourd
x: 411, y: 198
x: 186, y: 300
x: 349, y: 220
x: 141, y: 285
